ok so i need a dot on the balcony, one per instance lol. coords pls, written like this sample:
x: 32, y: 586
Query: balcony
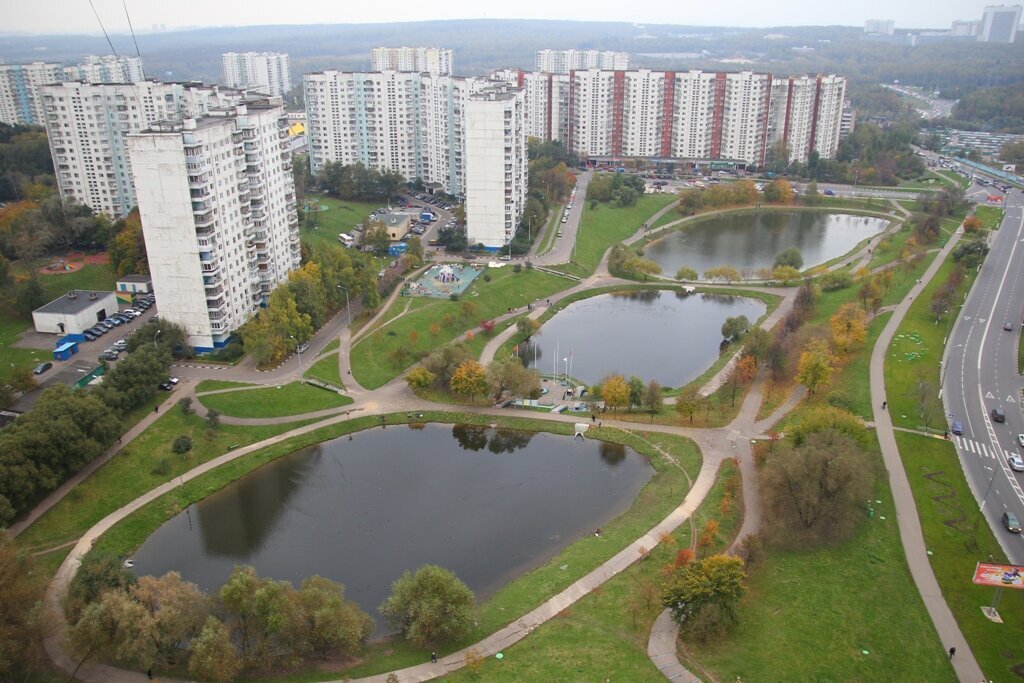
x: 209, y: 268
x: 200, y: 207
x: 203, y: 220
x: 214, y: 304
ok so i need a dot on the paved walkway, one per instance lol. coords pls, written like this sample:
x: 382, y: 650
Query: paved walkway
x: 964, y: 663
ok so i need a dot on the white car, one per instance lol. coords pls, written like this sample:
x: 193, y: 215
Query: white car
x: 1016, y: 463
x: 1020, y: 440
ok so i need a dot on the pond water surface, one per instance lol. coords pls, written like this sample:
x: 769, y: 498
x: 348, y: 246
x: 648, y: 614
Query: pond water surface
x: 487, y: 504
x: 664, y: 335
x: 749, y: 241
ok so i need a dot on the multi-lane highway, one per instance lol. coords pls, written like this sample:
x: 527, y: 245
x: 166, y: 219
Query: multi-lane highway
x: 980, y: 373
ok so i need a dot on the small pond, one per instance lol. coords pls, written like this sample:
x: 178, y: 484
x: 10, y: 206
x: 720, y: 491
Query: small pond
x: 488, y: 504
x: 664, y: 335
x: 750, y: 241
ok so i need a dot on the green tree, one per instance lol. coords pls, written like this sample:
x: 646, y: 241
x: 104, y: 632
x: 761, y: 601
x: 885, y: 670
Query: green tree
x: 653, y: 399
x: 779, y: 191
x: 23, y: 614
x: 29, y: 295
x: 723, y: 273
x: 213, y: 656
x: 420, y: 378
x: 100, y: 571
x: 735, y: 327
x: 376, y: 238
x: 324, y: 623
x: 257, y: 612
x: 785, y: 274
x: 790, y: 256
x: 687, y: 403
x: 527, y: 327
x: 430, y: 607
x: 134, y: 379
x: 615, y: 392
x: 686, y: 273
x: 703, y: 594
x: 509, y: 374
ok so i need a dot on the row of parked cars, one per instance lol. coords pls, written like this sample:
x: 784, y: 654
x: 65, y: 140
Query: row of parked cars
x: 140, y: 306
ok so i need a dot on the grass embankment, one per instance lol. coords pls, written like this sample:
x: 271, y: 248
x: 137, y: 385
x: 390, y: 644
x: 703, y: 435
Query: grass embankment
x: 216, y: 384
x: 382, y: 355
x: 96, y: 276
x: 326, y: 370
x: 990, y: 216
x: 546, y: 240
x: 958, y: 536
x: 278, y: 401
x: 603, y: 637
x: 603, y: 225
x: 661, y: 494
x: 136, y: 469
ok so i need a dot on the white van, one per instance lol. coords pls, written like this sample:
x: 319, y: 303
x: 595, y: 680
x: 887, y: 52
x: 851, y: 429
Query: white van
x: 346, y: 239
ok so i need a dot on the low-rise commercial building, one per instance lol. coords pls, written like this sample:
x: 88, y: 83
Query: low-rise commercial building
x: 75, y: 312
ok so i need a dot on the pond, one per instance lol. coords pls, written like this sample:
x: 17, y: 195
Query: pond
x: 664, y: 335
x: 750, y: 241
x: 488, y: 504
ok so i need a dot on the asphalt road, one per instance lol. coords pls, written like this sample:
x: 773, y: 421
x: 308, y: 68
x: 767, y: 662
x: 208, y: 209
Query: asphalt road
x: 980, y: 373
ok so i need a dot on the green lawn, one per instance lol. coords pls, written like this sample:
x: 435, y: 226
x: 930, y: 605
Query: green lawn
x: 605, y: 225
x: 990, y: 216
x: 385, y: 353
x: 340, y: 216
x: 326, y: 370
x: 888, y: 250
x: 282, y: 400
x: 131, y: 474
x: 546, y: 241
x: 97, y: 276
x: 809, y: 615
x: 215, y: 384
x: 851, y: 387
x: 957, y: 537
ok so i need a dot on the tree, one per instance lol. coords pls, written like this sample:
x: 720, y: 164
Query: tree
x: 929, y: 405
x: 972, y: 224
x: 785, y: 274
x: 703, y: 594
x: 469, y: 379
x: 779, y: 191
x: 815, y: 366
x: 430, y: 607
x: 735, y: 327
x: 615, y: 392
x: 869, y: 292
x: 509, y: 374
x: 790, y: 256
x: 849, y: 327
x: 636, y: 391
x: 527, y: 327
x: 815, y: 491
x: 686, y: 273
x: 723, y: 273
x: 182, y: 444
x: 29, y: 295
x: 652, y: 397
x: 376, y: 238
x: 420, y: 378
x: 173, y: 612
x: 256, y: 614
x: 128, y: 247
x: 746, y: 369
x: 134, y: 380
x: 324, y: 623
x: 811, y: 195
x: 687, y: 403
x: 213, y: 657
x: 100, y: 571
x: 24, y: 619
x: 213, y: 418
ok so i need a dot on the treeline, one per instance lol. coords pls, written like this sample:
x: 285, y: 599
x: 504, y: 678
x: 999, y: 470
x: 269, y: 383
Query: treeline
x: 622, y: 189
x: 356, y: 181
x: 997, y: 110
x: 67, y: 429
x: 26, y: 169
x: 300, y: 306
x: 693, y: 200
x: 251, y: 624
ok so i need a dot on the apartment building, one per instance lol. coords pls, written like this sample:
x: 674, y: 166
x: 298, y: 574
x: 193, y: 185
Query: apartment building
x: 437, y: 61
x: 496, y: 164
x: 265, y: 72
x: 19, y: 85
x: 1000, y: 23
x: 547, y: 101
x: 106, y: 69
x: 219, y: 214
x: 566, y: 61
x: 87, y: 125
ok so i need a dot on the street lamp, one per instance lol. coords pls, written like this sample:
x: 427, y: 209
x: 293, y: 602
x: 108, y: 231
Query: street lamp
x: 298, y: 354
x: 155, y: 336
x: 348, y: 311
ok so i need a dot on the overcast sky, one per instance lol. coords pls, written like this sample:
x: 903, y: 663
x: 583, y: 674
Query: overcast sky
x: 75, y: 16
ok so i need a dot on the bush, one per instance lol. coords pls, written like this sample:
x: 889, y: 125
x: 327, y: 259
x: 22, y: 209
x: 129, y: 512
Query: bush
x: 487, y: 277
x: 185, y: 406
x: 430, y: 607
x: 830, y: 282
x: 517, y: 268
x: 182, y: 444
x: 454, y: 297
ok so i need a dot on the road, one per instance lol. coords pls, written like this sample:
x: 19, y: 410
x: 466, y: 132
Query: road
x: 980, y: 373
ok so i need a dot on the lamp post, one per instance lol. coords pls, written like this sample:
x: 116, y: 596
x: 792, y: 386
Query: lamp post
x: 298, y: 354
x: 348, y: 311
x: 155, y: 336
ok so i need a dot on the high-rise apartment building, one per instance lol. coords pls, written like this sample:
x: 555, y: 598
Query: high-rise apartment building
x: 885, y: 27
x: 266, y: 72
x: 566, y: 61
x: 1000, y: 23
x: 106, y: 69
x: 686, y: 115
x: 19, y: 85
x: 962, y: 28
x: 436, y: 61
x: 409, y: 122
x: 87, y: 125
x: 496, y: 164
x: 219, y: 215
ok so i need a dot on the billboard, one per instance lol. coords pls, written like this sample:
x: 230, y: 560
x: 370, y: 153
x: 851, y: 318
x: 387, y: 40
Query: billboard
x: 999, y: 575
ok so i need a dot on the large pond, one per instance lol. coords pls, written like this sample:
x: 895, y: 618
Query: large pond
x: 750, y: 241
x: 487, y: 504
x: 664, y: 335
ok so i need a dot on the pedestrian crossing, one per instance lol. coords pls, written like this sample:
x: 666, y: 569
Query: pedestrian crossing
x: 978, y: 448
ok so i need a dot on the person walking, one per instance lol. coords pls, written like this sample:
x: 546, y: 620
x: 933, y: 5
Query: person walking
x: 952, y: 651
x: 433, y: 657
x: 884, y: 404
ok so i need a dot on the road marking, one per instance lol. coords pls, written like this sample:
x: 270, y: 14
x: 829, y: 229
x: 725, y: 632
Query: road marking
x: 1011, y: 399
x: 984, y: 450
x: 988, y: 394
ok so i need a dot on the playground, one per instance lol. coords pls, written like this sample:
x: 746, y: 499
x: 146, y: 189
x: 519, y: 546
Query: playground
x: 70, y: 263
x: 443, y: 280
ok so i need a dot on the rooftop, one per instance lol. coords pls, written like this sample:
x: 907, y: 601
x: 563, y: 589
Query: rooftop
x: 135, y: 278
x: 74, y: 301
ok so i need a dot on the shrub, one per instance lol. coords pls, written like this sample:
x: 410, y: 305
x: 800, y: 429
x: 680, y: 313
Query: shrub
x: 182, y: 444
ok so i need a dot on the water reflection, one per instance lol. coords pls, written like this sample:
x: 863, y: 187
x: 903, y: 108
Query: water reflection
x: 750, y: 241
x: 363, y: 511
x: 648, y: 333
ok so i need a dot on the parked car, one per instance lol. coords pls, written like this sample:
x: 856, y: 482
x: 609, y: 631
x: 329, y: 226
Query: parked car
x: 108, y: 355
x: 957, y: 428
x: 41, y: 368
x: 1016, y: 463
x: 303, y: 347
x: 165, y: 386
x: 89, y: 336
x: 998, y: 415
x: 830, y: 193
x: 120, y: 345
x: 1020, y: 440
x: 173, y: 380
x: 1011, y: 522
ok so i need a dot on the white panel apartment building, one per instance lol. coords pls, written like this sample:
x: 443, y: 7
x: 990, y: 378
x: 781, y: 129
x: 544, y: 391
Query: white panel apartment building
x: 219, y: 215
x: 567, y: 61
x: 106, y: 69
x: 437, y: 61
x: 87, y: 124
x: 266, y: 72
x: 407, y: 122
x: 496, y: 165
x: 19, y: 85
x: 807, y: 115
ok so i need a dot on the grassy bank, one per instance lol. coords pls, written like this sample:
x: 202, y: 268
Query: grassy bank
x: 278, y: 401
x: 326, y: 370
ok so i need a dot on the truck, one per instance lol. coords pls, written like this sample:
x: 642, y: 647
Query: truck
x: 397, y: 249
x: 428, y: 217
